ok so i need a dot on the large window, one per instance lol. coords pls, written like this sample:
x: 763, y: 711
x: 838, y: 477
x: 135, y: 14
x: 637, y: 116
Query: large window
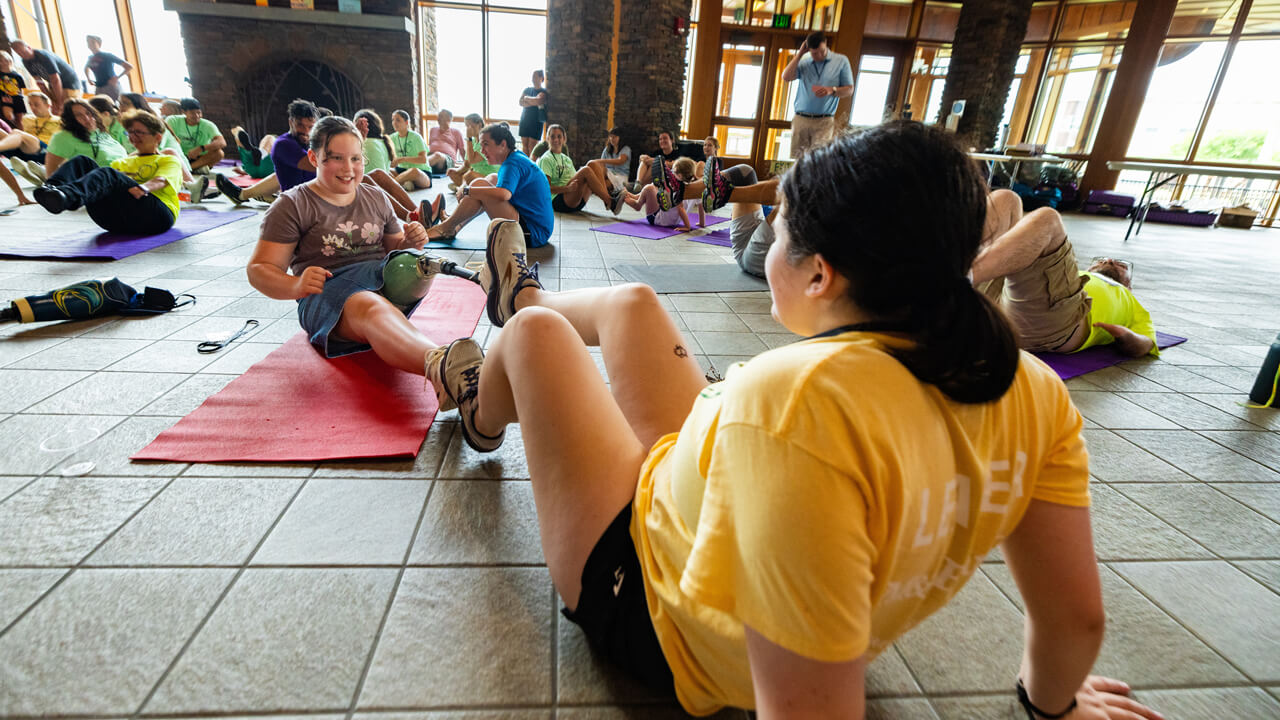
x: 1245, y: 124
x: 81, y: 18
x: 1175, y: 100
x: 1077, y: 84
x: 479, y: 55
x: 160, y: 50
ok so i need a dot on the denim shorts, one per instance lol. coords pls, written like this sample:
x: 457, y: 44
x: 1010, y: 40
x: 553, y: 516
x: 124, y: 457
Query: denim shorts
x: 319, y: 314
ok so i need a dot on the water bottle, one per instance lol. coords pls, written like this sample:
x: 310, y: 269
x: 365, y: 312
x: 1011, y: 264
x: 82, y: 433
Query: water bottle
x: 1265, y: 387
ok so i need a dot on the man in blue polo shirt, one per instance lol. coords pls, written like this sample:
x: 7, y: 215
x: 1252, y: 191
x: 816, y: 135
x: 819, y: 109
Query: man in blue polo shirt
x: 824, y: 77
x: 522, y: 192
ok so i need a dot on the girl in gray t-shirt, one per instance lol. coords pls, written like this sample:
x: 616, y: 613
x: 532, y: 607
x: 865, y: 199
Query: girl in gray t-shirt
x: 335, y: 233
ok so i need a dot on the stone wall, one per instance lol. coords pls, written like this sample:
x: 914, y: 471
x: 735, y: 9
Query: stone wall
x: 223, y: 52
x: 651, y: 68
x: 983, y: 57
x: 430, y: 71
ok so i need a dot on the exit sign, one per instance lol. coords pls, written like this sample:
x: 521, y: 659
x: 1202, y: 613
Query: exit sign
x: 782, y: 21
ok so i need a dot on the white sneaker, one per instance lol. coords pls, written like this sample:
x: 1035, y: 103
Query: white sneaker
x: 408, y: 186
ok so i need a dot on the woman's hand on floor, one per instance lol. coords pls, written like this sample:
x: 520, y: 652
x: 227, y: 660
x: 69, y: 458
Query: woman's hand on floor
x: 1102, y: 698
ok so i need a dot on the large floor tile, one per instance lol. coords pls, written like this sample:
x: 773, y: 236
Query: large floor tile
x: 1114, y: 412
x: 1143, y: 646
x: 199, y: 522
x: 20, y: 588
x: 1122, y: 530
x: 11, y: 485
x: 56, y: 521
x: 1261, y: 497
x: 34, y: 444
x: 1266, y: 572
x: 110, y: 453
x: 281, y: 640
x: 23, y: 388
x: 347, y: 522
x: 584, y: 677
x: 1261, y: 446
x: 425, y: 465
x: 463, y: 636
x: 1200, y: 457
x: 102, y: 639
x: 506, y: 463
x: 108, y: 393
x: 186, y: 396
x: 1112, y: 458
x: 479, y: 523
x: 1213, y: 519
x: 1214, y: 704
x: 1207, y: 597
x: 972, y: 643
x: 1187, y: 411
x: 81, y: 354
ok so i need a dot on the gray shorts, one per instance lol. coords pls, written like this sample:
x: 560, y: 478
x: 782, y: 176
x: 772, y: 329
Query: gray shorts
x: 751, y: 237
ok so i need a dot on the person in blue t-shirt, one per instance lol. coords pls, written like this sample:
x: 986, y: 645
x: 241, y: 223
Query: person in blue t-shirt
x: 825, y: 77
x: 522, y: 192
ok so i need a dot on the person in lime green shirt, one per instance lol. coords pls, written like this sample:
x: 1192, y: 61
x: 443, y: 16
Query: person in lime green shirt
x: 474, y: 164
x: 377, y: 167
x: 136, y: 195
x: 1028, y: 267
x: 409, y: 154
x: 82, y: 134
x: 109, y: 114
x: 201, y: 140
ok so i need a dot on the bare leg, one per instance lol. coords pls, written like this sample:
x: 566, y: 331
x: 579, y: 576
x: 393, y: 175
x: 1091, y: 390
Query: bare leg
x: 8, y: 179
x: 396, y: 207
x: 417, y: 177
x: 213, y: 157
x: 1004, y: 210
x: 383, y: 179
x: 470, y: 207
x: 1038, y: 233
x: 527, y: 144
x: 268, y: 185
x: 437, y: 158
x: 19, y: 140
x: 367, y: 317
x: 644, y: 173
x: 538, y: 372
x: 762, y: 193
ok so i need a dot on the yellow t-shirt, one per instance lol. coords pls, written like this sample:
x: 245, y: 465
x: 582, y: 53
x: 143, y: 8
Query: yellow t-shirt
x: 43, y: 128
x: 141, y: 168
x: 830, y: 500
x: 1115, y: 304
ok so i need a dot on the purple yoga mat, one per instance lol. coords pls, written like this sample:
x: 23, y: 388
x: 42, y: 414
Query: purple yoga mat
x: 642, y: 229
x: 715, y: 237
x: 94, y: 243
x: 1096, y: 358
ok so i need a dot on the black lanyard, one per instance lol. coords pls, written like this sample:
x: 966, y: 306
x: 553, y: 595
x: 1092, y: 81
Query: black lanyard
x: 869, y: 326
x: 401, y: 147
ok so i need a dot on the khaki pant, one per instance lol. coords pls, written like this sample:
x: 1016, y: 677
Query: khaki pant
x: 1045, y: 302
x: 807, y: 133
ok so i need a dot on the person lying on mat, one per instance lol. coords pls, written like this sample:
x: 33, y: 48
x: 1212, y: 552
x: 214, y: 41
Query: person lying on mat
x: 570, y: 186
x: 1028, y: 267
x: 756, y: 543
x: 521, y: 192
x: 678, y: 215
x: 136, y: 195
x: 333, y: 234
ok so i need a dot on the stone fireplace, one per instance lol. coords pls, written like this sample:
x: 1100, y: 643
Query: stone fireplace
x: 248, y: 62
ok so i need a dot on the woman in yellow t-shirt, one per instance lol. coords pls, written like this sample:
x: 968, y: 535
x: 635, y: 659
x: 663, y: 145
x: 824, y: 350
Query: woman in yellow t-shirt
x: 135, y: 195
x: 757, y: 542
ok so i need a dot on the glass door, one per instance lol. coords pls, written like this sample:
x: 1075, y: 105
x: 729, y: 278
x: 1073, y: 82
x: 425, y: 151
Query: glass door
x: 737, y: 115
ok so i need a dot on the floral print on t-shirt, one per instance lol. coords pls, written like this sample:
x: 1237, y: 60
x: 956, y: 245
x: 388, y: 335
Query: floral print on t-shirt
x: 353, y: 239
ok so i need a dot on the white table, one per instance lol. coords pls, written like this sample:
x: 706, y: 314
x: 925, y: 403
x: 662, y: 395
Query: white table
x: 992, y: 158
x: 1161, y: 173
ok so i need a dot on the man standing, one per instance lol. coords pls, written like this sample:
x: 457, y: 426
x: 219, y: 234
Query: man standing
x: 825, y: 77
x: 52, y: 74
x: 200, y: 139
x: 102, y: 68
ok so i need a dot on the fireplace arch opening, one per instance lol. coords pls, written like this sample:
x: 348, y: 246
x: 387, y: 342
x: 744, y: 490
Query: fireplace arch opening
x: 266, y: 96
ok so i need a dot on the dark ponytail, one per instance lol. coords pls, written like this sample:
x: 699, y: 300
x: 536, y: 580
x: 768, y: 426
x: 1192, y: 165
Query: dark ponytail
x: 860, y: 202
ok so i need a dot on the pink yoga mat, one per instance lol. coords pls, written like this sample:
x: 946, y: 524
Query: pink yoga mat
x: 296, y: 406
x: 1096, y: 358
x: 642, y: 229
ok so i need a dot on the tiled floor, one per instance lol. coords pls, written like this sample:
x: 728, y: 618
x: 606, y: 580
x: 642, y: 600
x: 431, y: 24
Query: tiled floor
x: 373, y: 588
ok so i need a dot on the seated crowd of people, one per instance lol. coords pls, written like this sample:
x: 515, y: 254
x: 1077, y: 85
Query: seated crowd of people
x: 755, y: 542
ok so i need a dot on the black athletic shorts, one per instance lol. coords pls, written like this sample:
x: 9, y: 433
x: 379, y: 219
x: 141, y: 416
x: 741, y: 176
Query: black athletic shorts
x: 559, y: 205
x: 612, y: 610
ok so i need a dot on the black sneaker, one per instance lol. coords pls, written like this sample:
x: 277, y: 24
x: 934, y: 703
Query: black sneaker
x: 50, y: 198
x: 228, y: 188
x: 618, y: 199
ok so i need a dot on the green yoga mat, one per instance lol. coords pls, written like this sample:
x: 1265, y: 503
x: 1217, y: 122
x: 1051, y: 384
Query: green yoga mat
x: 700, y: 278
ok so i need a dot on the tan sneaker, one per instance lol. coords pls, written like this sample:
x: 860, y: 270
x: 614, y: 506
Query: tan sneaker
x: 431, y: 370
x: 505, y: 272
x: 459, y: 371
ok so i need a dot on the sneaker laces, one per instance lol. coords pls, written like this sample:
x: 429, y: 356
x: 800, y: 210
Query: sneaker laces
x: 526, y: 272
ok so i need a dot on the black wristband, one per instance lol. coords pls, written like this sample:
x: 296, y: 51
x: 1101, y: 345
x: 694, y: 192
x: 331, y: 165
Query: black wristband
x: 1035, y: 713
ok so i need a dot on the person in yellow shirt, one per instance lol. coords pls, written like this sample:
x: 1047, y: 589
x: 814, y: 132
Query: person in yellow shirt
x: 757, y: 542
x: 40, y: 121
x: 1028, y: 267
x: 135, y: 195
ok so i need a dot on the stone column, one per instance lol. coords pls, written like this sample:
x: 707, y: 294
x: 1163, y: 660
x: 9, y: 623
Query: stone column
x: 983, y: 57
x: 579, y: 54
